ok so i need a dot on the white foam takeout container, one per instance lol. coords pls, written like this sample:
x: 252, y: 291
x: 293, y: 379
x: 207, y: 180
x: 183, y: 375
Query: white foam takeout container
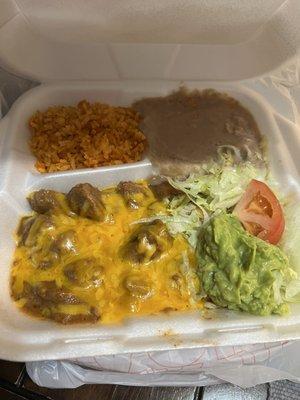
x: 141, y: 49
x: 25, y: 338
x: 54, y: 40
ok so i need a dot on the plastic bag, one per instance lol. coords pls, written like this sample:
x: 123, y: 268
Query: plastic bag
x: 244, y: 366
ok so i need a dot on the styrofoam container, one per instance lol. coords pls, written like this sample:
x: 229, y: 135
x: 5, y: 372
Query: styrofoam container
x: 152, y: 43
x: 53, y: 40
x: 24, y: 338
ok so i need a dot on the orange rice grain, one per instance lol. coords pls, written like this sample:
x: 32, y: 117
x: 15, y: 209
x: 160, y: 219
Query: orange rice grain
x: 88, y: 135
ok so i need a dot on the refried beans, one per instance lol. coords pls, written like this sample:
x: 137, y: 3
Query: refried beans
x: 189, y: 127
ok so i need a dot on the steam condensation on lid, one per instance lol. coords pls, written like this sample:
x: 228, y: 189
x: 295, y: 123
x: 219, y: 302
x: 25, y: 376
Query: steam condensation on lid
x: 185, y: 129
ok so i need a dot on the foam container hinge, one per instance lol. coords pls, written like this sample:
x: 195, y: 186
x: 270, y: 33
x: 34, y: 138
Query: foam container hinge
x: 23, y: 338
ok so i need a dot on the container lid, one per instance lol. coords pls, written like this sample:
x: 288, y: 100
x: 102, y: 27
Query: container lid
x: 53, y: 40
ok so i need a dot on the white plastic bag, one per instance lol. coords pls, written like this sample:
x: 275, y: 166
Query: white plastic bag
x: 244, y: 366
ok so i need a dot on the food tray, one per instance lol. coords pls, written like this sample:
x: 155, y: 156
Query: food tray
x: 23, y: 338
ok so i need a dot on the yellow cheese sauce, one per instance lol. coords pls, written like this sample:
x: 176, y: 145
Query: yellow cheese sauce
x: 75, y: 269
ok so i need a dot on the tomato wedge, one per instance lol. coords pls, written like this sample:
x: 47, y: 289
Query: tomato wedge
x: 260, y: 212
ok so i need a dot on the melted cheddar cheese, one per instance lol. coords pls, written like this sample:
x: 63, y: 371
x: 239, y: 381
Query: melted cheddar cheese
x: 110, y: 269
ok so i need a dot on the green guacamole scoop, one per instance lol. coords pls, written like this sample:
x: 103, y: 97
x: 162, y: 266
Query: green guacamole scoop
x: 240, y: 271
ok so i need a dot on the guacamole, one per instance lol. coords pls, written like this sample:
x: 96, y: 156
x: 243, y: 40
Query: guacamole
x: 240, y: 271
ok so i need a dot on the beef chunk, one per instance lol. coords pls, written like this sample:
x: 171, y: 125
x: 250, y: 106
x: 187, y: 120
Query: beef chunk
x: 65, y: 243
x: 45, y: 299
x: 147, y: 243
x: 85, y: 201
x: 50, y: 248
x: 128, y: 188
x: 47, y: 293
x: 86, y: 272
x: 45, y: 200
x: 24, y: 229
x: 163, y: 189
x: 31, y: 228
x: 53, y: 249
x: 133, y: 193
x: 138, y: 287
x: 63, y: 318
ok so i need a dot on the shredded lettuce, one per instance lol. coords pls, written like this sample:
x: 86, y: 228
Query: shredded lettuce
x: 185, y: 218
x: 290, y: 245
x: 220, y: 186
x: 192, y: 280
